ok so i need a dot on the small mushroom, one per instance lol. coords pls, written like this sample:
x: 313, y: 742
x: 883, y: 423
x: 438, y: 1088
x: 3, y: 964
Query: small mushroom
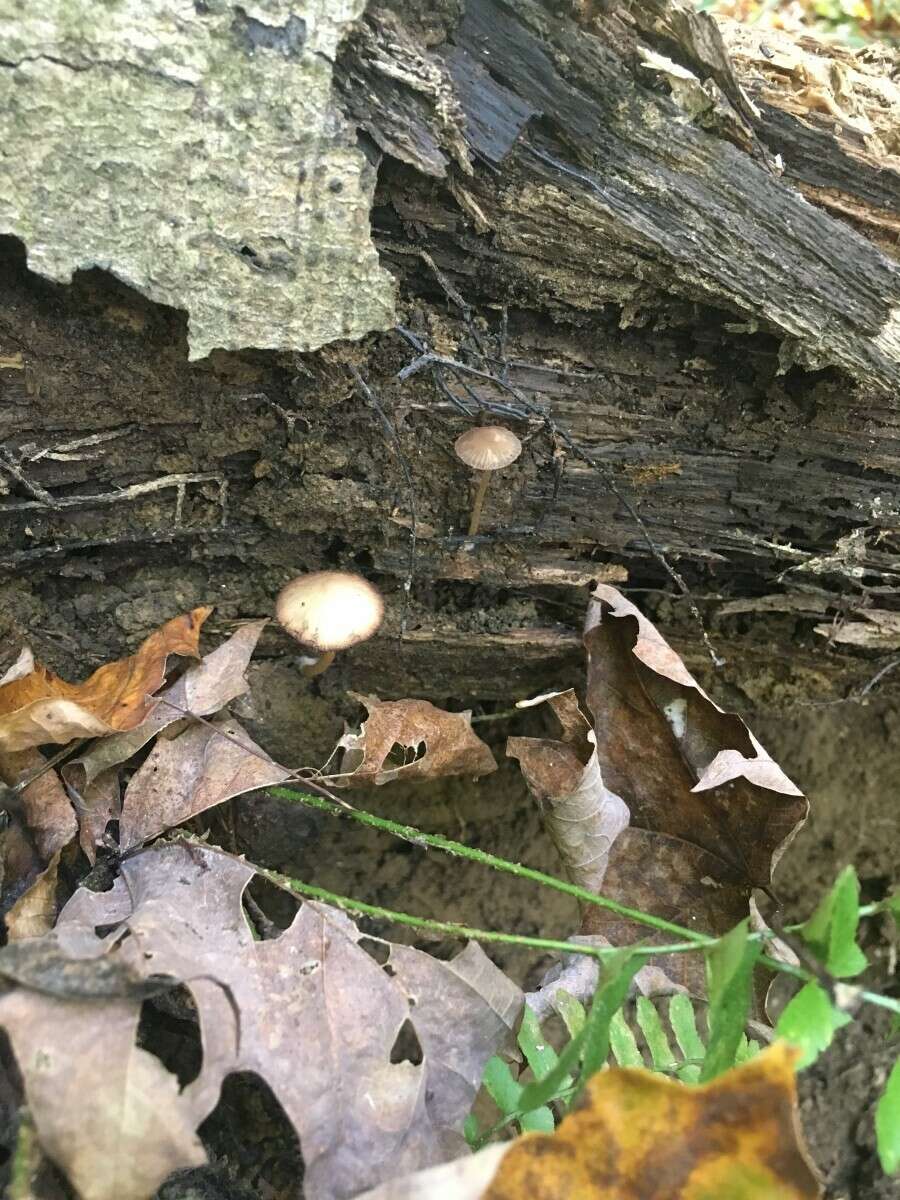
x: 486, y: 448
x: 329, y: 611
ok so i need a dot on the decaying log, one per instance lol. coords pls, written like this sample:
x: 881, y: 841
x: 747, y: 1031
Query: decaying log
x: 665, y: 256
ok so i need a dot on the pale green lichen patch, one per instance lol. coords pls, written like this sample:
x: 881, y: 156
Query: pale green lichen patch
x: 193, y: 150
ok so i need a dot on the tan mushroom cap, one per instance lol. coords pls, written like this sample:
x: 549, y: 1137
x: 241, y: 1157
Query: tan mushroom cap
x: 329, y: 610
x: 488, y: 447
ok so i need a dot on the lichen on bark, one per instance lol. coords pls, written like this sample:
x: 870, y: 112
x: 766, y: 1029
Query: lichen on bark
x: 193, y: 150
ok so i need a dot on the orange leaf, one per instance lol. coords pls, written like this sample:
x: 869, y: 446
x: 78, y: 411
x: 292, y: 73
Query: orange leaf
x: 40, y: 707
x: 640, y: 1135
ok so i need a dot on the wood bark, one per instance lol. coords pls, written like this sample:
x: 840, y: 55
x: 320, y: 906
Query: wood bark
x: 665, y: 258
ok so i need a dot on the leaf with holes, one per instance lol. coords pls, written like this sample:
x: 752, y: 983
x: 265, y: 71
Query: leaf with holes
x: 106, y: 1112
x: 687, y: 813
x: 39, y: 707
x: 360, y: 1115
x: 433, y: 743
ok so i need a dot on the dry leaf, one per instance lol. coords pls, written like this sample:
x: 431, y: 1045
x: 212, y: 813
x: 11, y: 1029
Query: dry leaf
x: 98, y: 802
x: 582, y: 816
x: 40, y: 707
x: 313, y: 1014
x: 23, y: 665
x: 201, y: 691
x: 34, y: 913
x: 109, y: 1114
x: 637, y: 1135
x: 435, y: 743
x: 710, y: 812
x: 44, y: 805
x: 42, y: 822
x: 190, y: 773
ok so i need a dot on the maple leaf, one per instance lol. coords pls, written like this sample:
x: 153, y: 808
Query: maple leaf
x: 709, y: 812
x: 37, y: 706
x: 446, y: 741
x: 637, y: 1134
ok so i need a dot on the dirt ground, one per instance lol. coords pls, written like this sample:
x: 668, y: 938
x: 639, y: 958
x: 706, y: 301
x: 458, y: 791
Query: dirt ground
x: 843, y: 756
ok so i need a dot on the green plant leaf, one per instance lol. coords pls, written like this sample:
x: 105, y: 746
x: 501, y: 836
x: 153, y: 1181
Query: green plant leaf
x: 657, y: 1042
x: 540, y: 1055
x: 809, y: 1021
x: 571, y: 1011
x: 618, y: 971
x: 729, y: 965
x: 684, y: 1026
x: 831, y: 931
x: 591, y: 1046
x: 887, y: 1123
x: 471, y: 1131
x: 506, y: 1092
x: 623, y: 1042
x: 746, y: 1050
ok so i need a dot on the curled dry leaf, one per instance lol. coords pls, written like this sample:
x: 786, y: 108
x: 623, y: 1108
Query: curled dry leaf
x: 202, y: 690
x: 638, y: 1134
x: 441, y: 743
x: 312, y: 1013
x: 41, y: 823
x: 187, y: 774
x: 34, y: 913
x: 709, y: 810
x: 39, y: 707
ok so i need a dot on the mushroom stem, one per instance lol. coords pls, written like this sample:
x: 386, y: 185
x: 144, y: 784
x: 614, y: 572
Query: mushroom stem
x: 320, y: 666
x: 478, y: 501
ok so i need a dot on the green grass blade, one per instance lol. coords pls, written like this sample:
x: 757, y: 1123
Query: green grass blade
x: 652, y: 1028
x: 618, y: 972
x: 729, y: 971
x: 472, y: 1131
x: 623, y: 1042
x: 887, y: 1123
x: 809, y: 1021
x: 571, y: 1011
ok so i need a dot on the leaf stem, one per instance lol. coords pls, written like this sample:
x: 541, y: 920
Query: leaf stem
x: 417, y: 837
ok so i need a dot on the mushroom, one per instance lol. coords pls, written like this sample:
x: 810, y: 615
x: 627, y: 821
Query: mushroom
x: 329, y: 611
x: 486, y: 448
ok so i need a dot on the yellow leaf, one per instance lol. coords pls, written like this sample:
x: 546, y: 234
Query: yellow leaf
x: 39, y: 707
x: 640, y: 1135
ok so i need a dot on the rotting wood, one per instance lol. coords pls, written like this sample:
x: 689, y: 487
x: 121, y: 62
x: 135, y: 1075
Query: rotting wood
x: 649, y: 277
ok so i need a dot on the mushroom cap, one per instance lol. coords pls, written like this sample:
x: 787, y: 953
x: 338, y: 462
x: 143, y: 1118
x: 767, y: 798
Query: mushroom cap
x: 329, y: 610
x: 488, y: 447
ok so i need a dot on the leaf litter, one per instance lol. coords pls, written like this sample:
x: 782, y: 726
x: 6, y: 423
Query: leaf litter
x: 658, y: 798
